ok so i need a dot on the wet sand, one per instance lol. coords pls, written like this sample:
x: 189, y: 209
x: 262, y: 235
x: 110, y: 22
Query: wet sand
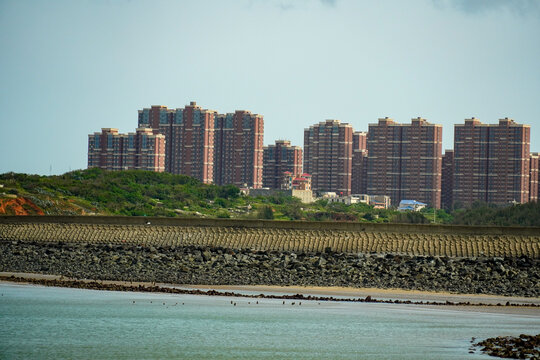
x: 398, y: 294
x: 476, y: 300
x: 394, y: 294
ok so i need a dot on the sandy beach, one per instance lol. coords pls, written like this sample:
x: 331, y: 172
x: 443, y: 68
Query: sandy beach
x: 475, y: 300
x: 394, y: 294
x: 398, y: 294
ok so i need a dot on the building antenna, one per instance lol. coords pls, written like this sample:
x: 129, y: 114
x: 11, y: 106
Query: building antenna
x: 50, y: 169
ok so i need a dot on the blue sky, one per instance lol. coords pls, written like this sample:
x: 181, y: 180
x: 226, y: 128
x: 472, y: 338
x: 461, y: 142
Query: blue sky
x: 69, y: 68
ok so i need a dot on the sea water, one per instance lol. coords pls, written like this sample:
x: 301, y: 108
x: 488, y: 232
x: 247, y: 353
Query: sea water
x: 60, y: 323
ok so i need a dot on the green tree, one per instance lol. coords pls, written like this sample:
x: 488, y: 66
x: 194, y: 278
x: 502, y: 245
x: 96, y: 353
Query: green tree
x: 223, y: 214
x: 410, y: 217
x: 266, y: 212
x: 293, y: 211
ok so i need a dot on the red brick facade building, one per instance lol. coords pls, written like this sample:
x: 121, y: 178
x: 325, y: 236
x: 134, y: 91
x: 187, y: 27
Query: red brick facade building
x: 197, y: 152
x: 189, y: 138
x: 164, y: 121
x: 405, y: 161
x: 447, y: 180
x: 214, y: 148
x: 239, y: 149
x: 359, y: 140
x: 142, y: 150
x: 278, y: 159
x: 359, y: 163
x: 359, y: 171
x: 491, y: 162
x: 534, y: 185
x: 328, y: 156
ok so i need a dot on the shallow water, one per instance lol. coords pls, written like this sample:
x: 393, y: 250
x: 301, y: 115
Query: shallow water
x: 51, y: 323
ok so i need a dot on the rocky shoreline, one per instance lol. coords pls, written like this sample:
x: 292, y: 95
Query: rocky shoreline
x: 218, y: 266
x: 509, y: 347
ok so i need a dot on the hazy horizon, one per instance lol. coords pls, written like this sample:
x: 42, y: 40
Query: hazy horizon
x: 69, y: 68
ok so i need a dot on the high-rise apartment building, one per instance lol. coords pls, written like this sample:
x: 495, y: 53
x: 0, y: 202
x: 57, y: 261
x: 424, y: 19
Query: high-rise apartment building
x: 219, y: 148
x: 278, y: 159
x: 359, y: 171
x: 142, y: 150
x: 328, y: 156
x: 197, y: 152
x: 164, y: 121
x: 404, y: 161
x: 189, y: 135
x: 105, y: 149
x: 447, y: 179
x: 359, y: 163
x: 491, y: 162
x: 224, y: 145
x: 238, y: 151
x: 534, y: 185
x: 359, y: 140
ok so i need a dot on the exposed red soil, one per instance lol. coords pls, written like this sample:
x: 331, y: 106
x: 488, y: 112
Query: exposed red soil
x: 19, y: 206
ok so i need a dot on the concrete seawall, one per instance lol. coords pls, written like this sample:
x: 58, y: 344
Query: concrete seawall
x: 425, y: 240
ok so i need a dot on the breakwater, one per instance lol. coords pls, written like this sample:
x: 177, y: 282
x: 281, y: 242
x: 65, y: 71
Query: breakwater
x: 210, y: 265
x: 259, y: 235
x: 460, y: 259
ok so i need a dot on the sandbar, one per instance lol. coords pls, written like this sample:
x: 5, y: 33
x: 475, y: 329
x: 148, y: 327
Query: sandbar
x: 476, y: 300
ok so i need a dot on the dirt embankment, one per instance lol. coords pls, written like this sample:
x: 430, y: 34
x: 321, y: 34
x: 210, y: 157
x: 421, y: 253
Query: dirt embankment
x: 19, y: 206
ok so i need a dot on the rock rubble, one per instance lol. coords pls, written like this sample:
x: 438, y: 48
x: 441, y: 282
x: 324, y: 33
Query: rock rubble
x: 515, y: 276
x: 509, y: 347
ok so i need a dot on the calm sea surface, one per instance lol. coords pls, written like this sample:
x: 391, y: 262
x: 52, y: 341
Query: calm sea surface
x: 57, y: 323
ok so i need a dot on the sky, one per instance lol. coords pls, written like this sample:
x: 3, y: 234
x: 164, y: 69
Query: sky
x: 69, y: 68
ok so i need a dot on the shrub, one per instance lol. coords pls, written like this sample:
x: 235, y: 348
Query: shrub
x: 266, y: 212
x: 293, y: 212
x: 410, y: 217
x: 223, y: 214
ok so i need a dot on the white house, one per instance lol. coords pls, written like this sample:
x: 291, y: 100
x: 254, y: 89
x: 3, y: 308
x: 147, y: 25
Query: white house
x: 411, y: 205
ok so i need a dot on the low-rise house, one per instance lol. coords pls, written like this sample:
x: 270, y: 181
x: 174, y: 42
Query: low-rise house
x: 411, y: 205
x: 350, y: 199
x: 380, y: 201
x: 305, y: 196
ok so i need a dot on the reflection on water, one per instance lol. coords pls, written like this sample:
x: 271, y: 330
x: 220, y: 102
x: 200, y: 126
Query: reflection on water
x: 51, y: 323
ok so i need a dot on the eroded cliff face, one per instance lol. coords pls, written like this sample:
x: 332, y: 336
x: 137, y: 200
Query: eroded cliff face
x: 516, y: 276
x: 19, y: 206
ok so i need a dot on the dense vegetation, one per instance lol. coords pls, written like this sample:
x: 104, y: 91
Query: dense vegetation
x: 132, y: 192
x: 486, y: 214
x: 144, y: 193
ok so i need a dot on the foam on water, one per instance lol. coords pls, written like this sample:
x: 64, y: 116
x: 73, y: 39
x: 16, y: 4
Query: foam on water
x: 52, y: 323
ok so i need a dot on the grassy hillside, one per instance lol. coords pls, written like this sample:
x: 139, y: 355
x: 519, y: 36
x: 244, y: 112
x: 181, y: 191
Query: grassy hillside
x: 145, y: 193
x: 123, y: 193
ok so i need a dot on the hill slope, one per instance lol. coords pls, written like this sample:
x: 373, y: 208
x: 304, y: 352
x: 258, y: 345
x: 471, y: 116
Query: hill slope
x: 96, y: 191
x: 144, y: 193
